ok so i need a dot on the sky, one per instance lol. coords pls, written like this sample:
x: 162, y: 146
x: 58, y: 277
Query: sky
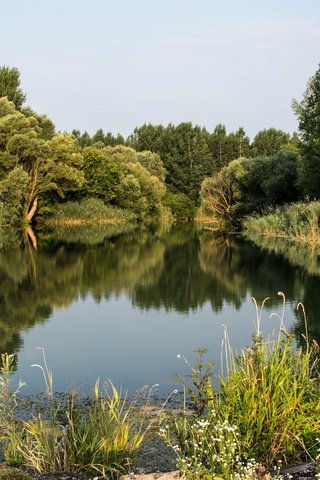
x: 119, y: 64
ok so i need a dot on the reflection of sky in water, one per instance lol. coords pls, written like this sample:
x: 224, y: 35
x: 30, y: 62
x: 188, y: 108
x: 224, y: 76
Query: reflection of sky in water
x: 112, y: 339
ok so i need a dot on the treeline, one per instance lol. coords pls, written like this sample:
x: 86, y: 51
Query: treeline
x: 157, y: 171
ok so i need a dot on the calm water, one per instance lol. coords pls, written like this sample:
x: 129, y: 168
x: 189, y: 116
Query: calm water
x: 122, y: 303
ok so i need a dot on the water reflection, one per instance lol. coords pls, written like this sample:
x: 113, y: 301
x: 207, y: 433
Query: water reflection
x: 179, y: 267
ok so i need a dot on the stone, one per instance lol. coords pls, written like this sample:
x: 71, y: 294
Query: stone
x: 153, y: 476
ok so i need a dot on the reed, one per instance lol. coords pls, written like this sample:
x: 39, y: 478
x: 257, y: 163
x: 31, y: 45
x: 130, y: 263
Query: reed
x: 100, y: 437
x: 297, y: 221
x: 265, y: 411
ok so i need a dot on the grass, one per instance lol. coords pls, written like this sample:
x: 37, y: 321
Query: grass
x: 297, y: 221
x: 265, y: 412
x: 98, y: 438
x: 90, y: 211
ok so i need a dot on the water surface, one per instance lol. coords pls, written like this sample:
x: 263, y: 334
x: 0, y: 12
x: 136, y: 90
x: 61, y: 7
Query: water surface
x: 122, y: 302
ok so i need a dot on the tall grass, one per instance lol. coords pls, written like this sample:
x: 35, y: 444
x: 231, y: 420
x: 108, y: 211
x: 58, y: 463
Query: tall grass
x: 100, y: 436
x: 268, y: 400
x: 90, y: 210
x: 297, y: 221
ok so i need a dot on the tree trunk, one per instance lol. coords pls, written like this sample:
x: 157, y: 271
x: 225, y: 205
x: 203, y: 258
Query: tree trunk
x: 32, y: 210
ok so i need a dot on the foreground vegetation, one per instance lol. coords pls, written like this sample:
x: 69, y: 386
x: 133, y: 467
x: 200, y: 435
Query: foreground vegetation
x: 265, y: 413
x: 298, y: 222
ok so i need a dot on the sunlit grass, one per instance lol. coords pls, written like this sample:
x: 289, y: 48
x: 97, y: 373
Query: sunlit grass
x: 297, y: 221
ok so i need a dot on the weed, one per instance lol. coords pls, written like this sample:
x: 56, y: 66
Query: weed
x: 267, y: 409
x: 100, y: 437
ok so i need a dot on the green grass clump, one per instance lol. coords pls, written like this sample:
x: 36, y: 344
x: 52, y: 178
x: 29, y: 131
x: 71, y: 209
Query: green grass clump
x: 297, y: 221
x: 90, y: 210
x: 265, y: 412
x: 99, y: 437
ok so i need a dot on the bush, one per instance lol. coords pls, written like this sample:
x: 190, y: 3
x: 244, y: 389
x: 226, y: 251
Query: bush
x: 181, y: 206
x: 91, y: 210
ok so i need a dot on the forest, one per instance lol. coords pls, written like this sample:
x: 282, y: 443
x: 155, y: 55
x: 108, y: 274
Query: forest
x: 169, y: 172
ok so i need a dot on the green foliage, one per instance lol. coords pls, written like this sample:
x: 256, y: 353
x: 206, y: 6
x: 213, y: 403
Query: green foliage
x: 101, y: 175
x: 225, y: 148
x: 211, y: 450
x: 153, y: 163
x: 47, y: 128
x: 10, y: 86
x: 184, y: 151
x: 249, y: 185
x: 268, y: 142
x: 308, y: 113
x: 271, y: 394
x: 90, y: 210
x: 100, y: 437
x: 181, y: 206
x: 217, y: 197
x: 14, y: 474
x: 121, y: 154
x: 12, y: 195
x: 266, y: 409
x: 187, y: 159
x: 297, y: 221
x: 138, y: 190
x: 50, y: 165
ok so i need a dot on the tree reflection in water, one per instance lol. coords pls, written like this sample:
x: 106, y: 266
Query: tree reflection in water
x: 176, y: 267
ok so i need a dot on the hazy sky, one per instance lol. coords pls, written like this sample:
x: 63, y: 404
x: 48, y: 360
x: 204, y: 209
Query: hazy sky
x: 118, y: 64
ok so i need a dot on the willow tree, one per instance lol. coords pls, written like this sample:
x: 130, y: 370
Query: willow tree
x: 48, y: 165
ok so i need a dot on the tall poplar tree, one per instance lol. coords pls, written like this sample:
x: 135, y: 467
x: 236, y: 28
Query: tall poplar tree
x: 308, y: 113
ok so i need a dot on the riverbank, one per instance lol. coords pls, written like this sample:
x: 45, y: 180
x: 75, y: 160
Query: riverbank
x: 299, y: 222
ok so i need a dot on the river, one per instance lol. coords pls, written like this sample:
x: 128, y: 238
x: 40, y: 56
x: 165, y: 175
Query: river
x: 121, y: 302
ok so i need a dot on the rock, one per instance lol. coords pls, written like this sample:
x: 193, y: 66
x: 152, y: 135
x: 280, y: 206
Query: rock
x: 153, y: 476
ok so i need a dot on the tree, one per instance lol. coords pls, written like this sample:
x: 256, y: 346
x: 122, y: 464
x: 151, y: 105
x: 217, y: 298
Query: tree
x: 217, y: 196
x: 47, y: 128
x: 153, y: 163
x: 111, y: 140
x: 268, y: 142
x: 308, y: 113
x: 101, y: 175
x: 148, y: 137
x: 187, y: 159
x: 121, y: 154
x: 249, y: 185
x: 50, y: 165
x: 239, y: 144
x: 218, y: 147
x: 98, y: 137
x: 10, y: 85
x: 139, y: 190
x: 12, y: 195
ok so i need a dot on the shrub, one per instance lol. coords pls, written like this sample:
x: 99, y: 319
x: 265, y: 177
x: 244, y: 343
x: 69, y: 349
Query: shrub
x: 91, y: 210
x: 181, y: 206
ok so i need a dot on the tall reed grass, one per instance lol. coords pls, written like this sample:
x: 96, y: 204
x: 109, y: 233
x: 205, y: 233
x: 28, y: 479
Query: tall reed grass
x: 297, y: 221
x: 90, y: 210
x: 99, y: 437
x: 268, y: 401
